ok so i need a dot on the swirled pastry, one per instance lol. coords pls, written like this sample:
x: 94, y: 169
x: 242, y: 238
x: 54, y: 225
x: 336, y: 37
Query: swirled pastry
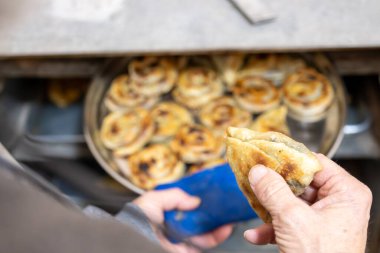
x: 222, y: 113
x: 256, y: 94
x: 291, y: 159
x: 197, y: 86
x: 206, y: 165
x: 228, y: 65
x: 122, y: 96
x: 307, y: 94
x: 168, y: 117
x: 152, y: 166
x: 125, y: 132
x: 273, y: 120
x: 195, y: 144
x: 153, y: 75
x: 274, y: 67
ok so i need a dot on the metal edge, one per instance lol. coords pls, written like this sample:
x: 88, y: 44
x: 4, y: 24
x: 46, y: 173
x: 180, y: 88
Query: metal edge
x: 87, y: 131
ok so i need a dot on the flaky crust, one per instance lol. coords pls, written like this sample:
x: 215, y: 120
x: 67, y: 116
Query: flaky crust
x: 222, y: 113
x: 307, y: 93
x: 256, y: 94
x: 153, y: 75
x: 125, y: 132
x: 168, y: 117
x: 195, y: 143
x: 273, y: 120
x: 292, y: 160
x: 152, y: 166
x: 122, y: 96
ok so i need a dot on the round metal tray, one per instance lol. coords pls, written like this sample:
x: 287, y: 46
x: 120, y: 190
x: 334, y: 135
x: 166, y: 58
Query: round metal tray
x: 323, y: 136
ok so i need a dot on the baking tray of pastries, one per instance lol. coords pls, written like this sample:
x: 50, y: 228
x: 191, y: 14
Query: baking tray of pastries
x: 153, y: 119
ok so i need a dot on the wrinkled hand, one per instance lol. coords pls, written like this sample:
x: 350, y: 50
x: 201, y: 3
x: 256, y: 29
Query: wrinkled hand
x: 331, y: 216
x: 154, y: 204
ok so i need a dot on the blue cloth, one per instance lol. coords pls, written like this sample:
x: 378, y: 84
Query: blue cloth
x: 222, y: 203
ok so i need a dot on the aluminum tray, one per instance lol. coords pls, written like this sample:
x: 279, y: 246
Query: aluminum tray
x: 323, y: 136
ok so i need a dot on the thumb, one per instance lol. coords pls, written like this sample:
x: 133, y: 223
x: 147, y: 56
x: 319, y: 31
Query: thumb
x: 271, y: 190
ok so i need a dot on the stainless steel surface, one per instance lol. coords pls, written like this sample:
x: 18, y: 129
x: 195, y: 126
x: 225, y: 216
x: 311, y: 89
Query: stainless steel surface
x: 322, y: 136
x: 256, y: 11
x: 117, y: 27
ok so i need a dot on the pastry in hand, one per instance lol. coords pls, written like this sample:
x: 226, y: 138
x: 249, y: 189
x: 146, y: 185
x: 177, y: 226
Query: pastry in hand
x: 222, y: 113
x: 195, y: 144
x: 307, y: 94
x: 206, y: 165
x: 168, y: 117
x: 256, y: 94
x: 291, y: 159
x: 153, y: 76
x: 122, y: 96
x: 197, y: 86
x: 274, y: 67
x: 229, y: 64
x: 273, y: 120
x: 125, y: 132
x: 152, y: 166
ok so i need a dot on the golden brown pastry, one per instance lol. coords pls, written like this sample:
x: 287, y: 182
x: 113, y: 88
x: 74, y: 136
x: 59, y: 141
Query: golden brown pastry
x: 122, y: 96
x: 291, y: 159
x: 153, y: 75
x: 222, y: 113
x: 273, y: 120
x: 274, y: 67
x: 307, y: 94
x: 197, y: 86
x: 196, y: 144
x: 229, y: 65
x: 256, y: 94
x: 168, y: 117
x: 125, y: 132
x: 64, y: 92
x: 152, y: 166
x: 206, y: 165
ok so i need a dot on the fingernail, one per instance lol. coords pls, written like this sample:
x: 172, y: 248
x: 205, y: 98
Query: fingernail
x: 257, y: 173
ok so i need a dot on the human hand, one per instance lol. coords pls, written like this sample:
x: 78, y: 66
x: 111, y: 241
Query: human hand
x: 154, y: 204
x: 331, y: 216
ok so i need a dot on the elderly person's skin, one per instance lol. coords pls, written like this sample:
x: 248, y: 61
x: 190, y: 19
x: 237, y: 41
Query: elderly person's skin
x: 331, y: 216
x: 155, y: 203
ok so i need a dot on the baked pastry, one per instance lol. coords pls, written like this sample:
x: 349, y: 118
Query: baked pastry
x: 168, y: 117
x: 206, y: 165
x: 222, y: 113
x: 122, y: 96
x: 291, y: 159
x: 274, y: 67
x: 256, y: 94
x: 153, y: 75
x: 64, y: 92
x: 307, y: 94
x: 229, y: 65
x: 273, y: 120
x: 195, y: 144
x: 197, y: 86
x: 152, y: 166
x: 125, y: 132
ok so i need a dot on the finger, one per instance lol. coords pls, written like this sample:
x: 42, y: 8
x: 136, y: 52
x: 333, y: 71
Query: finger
x: 309, y: 195
x: 271, y: 190
x: 330, y: 169
x: 175, y: 199
x: 213, y: 238
x: 261, y: 235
